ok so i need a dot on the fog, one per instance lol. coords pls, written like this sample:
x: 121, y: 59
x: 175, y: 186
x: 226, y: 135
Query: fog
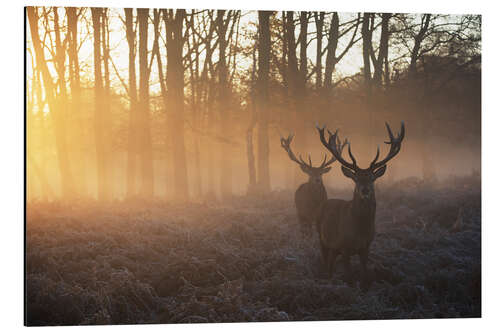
x: 117, y: 116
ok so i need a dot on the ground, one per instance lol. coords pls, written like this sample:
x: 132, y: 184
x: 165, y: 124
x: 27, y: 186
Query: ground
x: 246, y: 260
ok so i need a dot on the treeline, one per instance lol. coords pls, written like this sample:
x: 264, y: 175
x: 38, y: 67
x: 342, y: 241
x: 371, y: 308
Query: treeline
x: 206, y: 94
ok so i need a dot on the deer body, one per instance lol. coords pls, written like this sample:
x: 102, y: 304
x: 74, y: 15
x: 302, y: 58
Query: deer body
x: 309, y: 196
x: 308, y: 199
x: 348, y: 227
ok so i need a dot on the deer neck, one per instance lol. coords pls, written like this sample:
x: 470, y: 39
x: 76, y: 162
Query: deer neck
x: 363, y: 209
x: 317, y: 190
x: 316, y: 185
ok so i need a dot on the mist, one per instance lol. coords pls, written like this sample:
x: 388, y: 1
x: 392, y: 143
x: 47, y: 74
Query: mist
x: 174, y: 166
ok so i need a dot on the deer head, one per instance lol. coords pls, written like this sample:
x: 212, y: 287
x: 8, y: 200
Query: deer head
x: 315, y: 173
x: 363, y: 178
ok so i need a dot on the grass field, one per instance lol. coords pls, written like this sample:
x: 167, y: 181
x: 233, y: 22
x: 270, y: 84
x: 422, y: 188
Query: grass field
x: 245, y: 260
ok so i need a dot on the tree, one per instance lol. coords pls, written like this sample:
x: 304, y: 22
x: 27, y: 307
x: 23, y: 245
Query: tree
x: 319, y: 19
x: 36, y: 170
x: 206, y: 31
x: 222, y: 22
x: 366, y: 32
x: 78, y: 120
x: 205, y: 76
x: 55, y: 99
x: 143, y: 106
x: 132, y: 92
x: 100, y: 111
x: 252, y: 174
x: 429, y: 36
x: 264, y: 46
x: 378, y: 62
x: 174, y: 21
x: 293, y: 81
x: 332, y: 56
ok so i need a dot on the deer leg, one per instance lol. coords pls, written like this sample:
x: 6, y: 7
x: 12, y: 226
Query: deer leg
x: 306, y: 226
x: 309, y: 228
x: 332, y: 258
x: 363, y: 259
x: 346, y: 260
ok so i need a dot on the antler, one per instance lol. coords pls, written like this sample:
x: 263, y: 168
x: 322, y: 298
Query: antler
x: 285, y: 143
x: 393, y: 151
x: 340, y: 148
x: 335, y: 147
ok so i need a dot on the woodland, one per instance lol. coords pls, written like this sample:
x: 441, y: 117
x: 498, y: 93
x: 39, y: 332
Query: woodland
x: 190, y: 104
x: 157, y: 190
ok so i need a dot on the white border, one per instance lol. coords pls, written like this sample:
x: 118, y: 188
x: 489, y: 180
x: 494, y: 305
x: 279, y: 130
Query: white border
x: 11, y: 199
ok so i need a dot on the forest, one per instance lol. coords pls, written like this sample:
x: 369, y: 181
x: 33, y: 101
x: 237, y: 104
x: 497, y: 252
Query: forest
x: 158, y: 189
x: 191, y: 104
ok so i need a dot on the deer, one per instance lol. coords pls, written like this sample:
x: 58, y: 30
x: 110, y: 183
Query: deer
x: 347, y: 228
x: 310, y: 195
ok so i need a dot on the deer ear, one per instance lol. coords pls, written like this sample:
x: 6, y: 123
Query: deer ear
x: 379, y: 172
x: 325, y: 170
x: 348, y: 173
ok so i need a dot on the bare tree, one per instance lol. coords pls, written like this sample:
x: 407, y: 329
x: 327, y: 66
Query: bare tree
x: 378, y: 62
x: 429, y: 39
x: 319, y: 19
x: 252, y: 173
x: 143, y: 106
x: 78, y: 123
x: 100, y: 110
x: 174, y: 21
x: 294, y: 83
x: 333, y: 54
x: 366, y: 32
x: 223, y: 19
x: 132, y: 92
x: 54, y: 100
x: 264, y: 46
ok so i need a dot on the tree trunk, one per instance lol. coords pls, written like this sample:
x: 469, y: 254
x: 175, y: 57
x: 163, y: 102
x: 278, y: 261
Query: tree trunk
x: 287, y: 120
x: 415, y: 53
x: 367, y: 45
x: 209, y: 91
x: 209, y: 147
x: 294, y: 87
x: 108, y: 149
x: 264, y: 181
x: 224, y: 110
x: 132, y: 90
x: 56, y: 109
x: 100, y: 110
x: 194, y: 71
x: 164, y: 94
x: 366, y: 33
x: 383, y: 51
x: 252, y: 174
x: 319, y: 19
x: 79, y: 124
x: 333, y: 39
x: 420, y: 103
x: 46, y: 192
x: 143, y: 107
x: 175, y: 91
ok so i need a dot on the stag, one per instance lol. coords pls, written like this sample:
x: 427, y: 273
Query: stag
x: 347, y: 227
x: 309, y: 196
